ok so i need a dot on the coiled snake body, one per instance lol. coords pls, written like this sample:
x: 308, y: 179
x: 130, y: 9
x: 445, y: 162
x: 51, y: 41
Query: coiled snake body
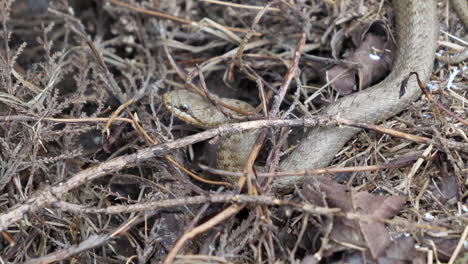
x: 417, y: 31
x: 233, y: 151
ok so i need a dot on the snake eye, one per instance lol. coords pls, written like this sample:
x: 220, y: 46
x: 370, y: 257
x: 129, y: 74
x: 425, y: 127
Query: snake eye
x: 184, y: 107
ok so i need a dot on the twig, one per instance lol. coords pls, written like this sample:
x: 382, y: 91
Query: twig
x: 247, y: 37
x: 384, y: 130
x: 429, y: 96
x: 239, y: 127
x: 25, y: 118
x: 115, y: 114
x: 91, y: 242
x: 415, y: 168
x: 183, y: 75
x: 270, y: 9
x: 459, y: 246
x: 238, y: 200
x: 51, y: 194
x: 390, y: 165
x: 194, y: 200
x: 289, y: 75
x: 142, y: 132
x: 115, y: 90
x: 166, y: 16
x: 234, y: 209
x: 225, y: 214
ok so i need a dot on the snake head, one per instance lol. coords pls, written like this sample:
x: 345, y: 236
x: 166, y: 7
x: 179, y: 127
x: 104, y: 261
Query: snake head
x: 198, y: 111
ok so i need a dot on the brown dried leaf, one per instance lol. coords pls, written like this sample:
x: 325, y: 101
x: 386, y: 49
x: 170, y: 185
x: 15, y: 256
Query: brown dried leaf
x: 402, y: 250
x: 23, y: 7
x: 368, y: 235
x: 445, y: 246
x: 445, y: 187
x: 375, y: 53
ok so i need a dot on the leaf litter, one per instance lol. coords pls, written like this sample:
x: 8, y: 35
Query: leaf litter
x: 65, y: 71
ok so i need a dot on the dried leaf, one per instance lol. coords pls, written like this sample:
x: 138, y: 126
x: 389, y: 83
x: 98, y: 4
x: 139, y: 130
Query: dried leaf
x: 445, y: 246
x: 402, y: 250
x: 372, y: 236
x: 374, y: 52
x: 445, y: 187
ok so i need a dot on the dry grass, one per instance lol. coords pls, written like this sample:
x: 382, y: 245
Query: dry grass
x: 65, y: 73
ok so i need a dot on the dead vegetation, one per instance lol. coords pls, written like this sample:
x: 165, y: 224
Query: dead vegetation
x: 93, y: 169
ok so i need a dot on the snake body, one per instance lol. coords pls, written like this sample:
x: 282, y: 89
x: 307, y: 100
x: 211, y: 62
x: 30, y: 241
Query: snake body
x: 417, y: 31
x: 461, y: 8
x: 232, y: 152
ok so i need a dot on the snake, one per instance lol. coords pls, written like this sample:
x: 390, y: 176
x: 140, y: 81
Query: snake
x: 232, y: 152
x: 416, y: 36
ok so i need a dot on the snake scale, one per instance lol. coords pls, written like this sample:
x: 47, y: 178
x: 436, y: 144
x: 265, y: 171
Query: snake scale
x: 417, y: 33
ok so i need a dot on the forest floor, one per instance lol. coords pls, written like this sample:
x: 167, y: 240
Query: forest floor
x: 94, y: 168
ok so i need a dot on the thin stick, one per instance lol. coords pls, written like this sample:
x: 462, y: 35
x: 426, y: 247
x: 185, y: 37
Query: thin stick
x: 239, y: 200
x: 225, y: 214
x: 384, y: 130
x: 166, y: 16
x: 234, y: 209
x: 146, y: 136
x: 114, y: 115
x: 390, y: 165
x: 289, y: 75
x: 50, y: 194
x: 24, y: 118
x: 270, y: 9
x: 459, y: 246
x: 183, y: 75
x: 429, y: 96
